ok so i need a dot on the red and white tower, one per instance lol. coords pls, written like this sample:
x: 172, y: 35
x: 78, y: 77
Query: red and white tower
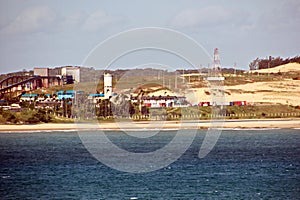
x: 216, y: 73
x: 217, y: 63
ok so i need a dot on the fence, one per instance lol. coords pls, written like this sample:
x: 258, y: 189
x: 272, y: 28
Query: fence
x: 215, y: 116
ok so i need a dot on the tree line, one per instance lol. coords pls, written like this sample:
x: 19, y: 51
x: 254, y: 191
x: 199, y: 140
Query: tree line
x: 260, y: 63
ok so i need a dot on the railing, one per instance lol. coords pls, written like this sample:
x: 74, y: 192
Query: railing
x: 212, y: 116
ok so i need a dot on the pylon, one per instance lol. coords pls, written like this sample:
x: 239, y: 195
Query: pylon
x: 217, y: 63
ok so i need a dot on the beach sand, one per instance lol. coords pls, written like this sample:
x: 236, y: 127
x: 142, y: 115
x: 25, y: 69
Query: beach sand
x: 157, y: 125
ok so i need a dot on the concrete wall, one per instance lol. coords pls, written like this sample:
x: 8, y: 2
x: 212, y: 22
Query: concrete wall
x: 41, y: 71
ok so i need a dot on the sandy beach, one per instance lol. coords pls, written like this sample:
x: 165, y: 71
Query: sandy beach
x: 157, y: 125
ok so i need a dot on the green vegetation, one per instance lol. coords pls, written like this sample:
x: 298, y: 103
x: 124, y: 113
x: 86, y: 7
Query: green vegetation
x: 262, y: 111
x: 29, y: 116
x: 25, y: 116
x: 252, y: 78
x: 229, y: 112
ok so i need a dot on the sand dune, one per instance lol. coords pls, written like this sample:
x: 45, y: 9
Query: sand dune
x: 283, y: 92
x: 290, y: 67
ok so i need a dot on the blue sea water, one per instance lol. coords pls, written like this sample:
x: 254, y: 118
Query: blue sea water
x: 244, y: 164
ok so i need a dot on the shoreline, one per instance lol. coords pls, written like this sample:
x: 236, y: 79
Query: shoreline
x: 283, y: 123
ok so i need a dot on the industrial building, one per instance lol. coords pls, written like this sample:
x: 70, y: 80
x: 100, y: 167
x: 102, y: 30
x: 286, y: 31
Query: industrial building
x: 71, y: 72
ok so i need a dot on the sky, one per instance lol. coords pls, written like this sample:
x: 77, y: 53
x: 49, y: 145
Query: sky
x: 49, y: 33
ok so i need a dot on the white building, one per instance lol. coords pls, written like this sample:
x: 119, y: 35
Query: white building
x: 71, y: 71
x: 107, y: 85
x: 161, y: 101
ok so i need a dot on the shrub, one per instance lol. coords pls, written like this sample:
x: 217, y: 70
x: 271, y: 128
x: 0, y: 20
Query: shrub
x: 34, y: 116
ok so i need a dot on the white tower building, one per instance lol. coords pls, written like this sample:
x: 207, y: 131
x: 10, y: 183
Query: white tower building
x: 107, y: 85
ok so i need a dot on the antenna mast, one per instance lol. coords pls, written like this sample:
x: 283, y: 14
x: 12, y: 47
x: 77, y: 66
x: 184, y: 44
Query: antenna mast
x: 217, y: 63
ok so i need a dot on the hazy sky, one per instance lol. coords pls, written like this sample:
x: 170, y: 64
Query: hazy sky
x: 37, y: 33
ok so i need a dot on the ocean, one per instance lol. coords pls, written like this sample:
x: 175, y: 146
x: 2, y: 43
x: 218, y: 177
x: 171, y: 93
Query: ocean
x: 244, y: 164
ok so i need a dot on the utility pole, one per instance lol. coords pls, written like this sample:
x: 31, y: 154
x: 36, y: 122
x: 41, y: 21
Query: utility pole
x: 200, y: 73
x: 175, y: 80
x: 268, y: 68
x: 163, y: 75
x: 270, y: 58
x: 234, y: 68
